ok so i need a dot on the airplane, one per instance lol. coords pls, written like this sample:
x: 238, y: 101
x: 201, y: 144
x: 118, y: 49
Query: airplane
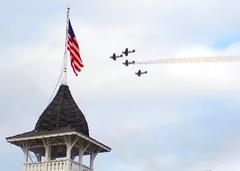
x: 128, y: 62
x: 114, y: 56
x: 126, y: 52
x: 139, y: 73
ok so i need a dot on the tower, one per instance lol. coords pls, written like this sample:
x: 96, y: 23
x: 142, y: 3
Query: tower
x: 60, y: 140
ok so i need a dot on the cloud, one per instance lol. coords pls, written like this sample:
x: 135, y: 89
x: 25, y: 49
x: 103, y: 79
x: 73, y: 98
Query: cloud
x: 177, y: 117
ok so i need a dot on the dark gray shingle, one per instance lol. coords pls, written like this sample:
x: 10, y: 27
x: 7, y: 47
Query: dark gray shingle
x: 62, y: 112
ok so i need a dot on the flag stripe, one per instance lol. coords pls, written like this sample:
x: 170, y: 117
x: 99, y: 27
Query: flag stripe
x: 74, y: 52
x: 76, y: 65
x: 74, y: 42
x: 78, y: 69
x: 76, y: 60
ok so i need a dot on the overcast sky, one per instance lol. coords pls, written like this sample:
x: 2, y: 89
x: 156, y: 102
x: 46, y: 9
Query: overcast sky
x: 178, y: 117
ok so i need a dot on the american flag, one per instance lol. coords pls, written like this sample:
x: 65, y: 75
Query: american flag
x: 73, y: 48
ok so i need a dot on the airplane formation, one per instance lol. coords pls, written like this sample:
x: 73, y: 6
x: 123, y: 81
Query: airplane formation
x: 126, y: 52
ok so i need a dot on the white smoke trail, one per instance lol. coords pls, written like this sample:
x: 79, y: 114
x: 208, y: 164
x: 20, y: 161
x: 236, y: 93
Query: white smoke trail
x: 191, y: 60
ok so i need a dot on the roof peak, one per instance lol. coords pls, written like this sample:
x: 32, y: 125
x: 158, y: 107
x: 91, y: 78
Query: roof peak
x: 62, y: 112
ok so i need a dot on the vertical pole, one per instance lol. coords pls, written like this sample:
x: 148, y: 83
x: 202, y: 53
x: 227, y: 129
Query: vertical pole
x: 68, y: 157
x: 92, y: 157
x: 65, y: 52
x: 25, y: 149
x: 80, y: 159
x: 67, y: 140
x: 47, y: 149
x: 82, y: 150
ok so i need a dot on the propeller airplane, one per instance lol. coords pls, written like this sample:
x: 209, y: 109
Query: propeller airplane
x: 139, y: 73
x: 128, y: 62
x: 114, y: 56
x: 126, y: 52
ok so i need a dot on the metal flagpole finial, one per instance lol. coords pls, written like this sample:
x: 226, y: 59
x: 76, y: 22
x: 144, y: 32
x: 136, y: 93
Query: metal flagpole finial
x: 68, y: 10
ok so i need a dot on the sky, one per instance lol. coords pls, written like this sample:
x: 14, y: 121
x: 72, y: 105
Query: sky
x: 178, y: 117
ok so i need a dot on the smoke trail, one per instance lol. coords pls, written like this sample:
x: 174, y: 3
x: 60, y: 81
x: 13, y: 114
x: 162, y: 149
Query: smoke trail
x: 191, y: 60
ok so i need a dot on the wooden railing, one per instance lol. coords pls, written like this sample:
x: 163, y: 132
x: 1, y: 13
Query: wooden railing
x: 56, y: 165
x: 74, y: 166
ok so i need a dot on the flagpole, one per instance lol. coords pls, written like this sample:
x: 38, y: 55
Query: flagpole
x: 65, y: 52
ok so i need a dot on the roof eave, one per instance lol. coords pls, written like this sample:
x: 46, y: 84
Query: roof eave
x: 15, y: 140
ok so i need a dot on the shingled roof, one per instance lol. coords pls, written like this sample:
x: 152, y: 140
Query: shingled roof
x: 62, y: 112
